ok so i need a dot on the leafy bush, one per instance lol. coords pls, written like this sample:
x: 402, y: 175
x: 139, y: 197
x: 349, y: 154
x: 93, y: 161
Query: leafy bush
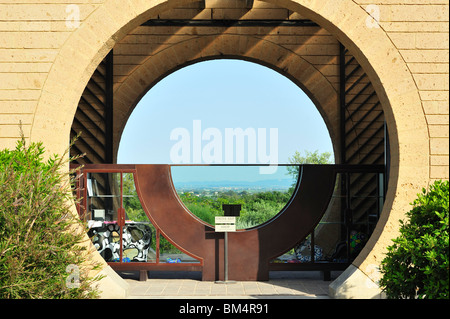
x: 417, y: 264
x: 40, y: 251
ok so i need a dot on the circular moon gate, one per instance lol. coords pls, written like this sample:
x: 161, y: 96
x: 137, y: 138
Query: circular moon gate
x: 250, y: 251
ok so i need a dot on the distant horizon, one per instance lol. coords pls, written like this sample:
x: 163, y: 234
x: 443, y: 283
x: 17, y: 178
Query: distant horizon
x: 235, y: 183
x: 236, y: 186
x: 190, y: 174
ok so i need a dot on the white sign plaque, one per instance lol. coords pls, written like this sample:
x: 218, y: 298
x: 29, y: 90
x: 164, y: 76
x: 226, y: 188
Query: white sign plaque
x: 225, y: 223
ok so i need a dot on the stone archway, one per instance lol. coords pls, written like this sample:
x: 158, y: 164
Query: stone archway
x: 87, y: 46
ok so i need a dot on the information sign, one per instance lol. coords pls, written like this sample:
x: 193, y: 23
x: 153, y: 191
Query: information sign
x: 225, y: 224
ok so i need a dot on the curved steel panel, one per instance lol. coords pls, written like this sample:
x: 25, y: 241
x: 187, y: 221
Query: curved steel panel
x: 250, y: 251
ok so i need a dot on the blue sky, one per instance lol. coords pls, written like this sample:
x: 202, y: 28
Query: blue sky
x: 222, y: 94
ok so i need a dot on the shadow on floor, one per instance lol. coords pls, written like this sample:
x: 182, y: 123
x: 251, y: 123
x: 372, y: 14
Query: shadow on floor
x: 197, y: 275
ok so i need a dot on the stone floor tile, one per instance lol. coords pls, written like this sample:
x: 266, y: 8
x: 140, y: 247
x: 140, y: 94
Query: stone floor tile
x: 309, y: 286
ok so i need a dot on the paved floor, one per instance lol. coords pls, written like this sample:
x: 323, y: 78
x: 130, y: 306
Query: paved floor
x: 174, y: 285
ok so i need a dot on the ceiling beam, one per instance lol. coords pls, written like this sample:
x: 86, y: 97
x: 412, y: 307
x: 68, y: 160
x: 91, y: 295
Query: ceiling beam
x: 229, y: 23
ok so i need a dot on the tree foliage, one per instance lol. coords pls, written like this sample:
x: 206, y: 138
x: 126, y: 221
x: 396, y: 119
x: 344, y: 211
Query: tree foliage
x: 309, y: 158
x: 417, y: 264
x: 38, y: 237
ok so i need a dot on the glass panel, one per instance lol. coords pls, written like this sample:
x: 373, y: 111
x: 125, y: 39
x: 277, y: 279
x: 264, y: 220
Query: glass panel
x: 139, y: 234
x: 343, y: 227
x: 327, y: 238
x: 103, y: 196
x: 103, y: 202
x: 304, y: 252
x: 365, y: 206
x: 168, y: 253
x: 380, y: 193
x: 288, y: 257
x: 358, y: 239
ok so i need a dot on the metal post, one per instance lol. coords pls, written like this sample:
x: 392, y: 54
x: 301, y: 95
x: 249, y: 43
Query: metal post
x: 225, y: 259
x: 348, y: 215
x: 109, y: 100
x: 342, y: 143
x: 342, y: 103
x: 230, y: 211
x: 226, y: 255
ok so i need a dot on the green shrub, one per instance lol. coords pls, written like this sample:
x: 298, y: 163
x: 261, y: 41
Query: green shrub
x: 40, y: 251
x: 417, y: 264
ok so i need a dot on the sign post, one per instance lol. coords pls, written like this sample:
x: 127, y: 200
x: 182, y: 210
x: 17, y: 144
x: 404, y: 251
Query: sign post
x: 226, y: 224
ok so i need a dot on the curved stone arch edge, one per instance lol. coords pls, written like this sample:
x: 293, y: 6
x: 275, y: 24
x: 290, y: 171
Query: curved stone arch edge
x: 401, y: 101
